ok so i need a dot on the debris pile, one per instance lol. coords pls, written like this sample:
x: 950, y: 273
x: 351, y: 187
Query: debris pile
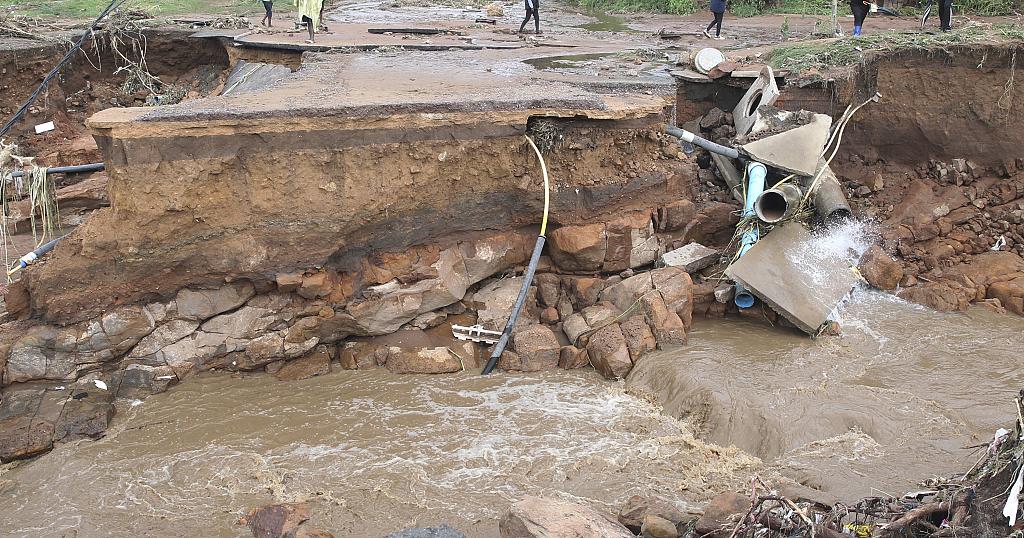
x: 776, y: 164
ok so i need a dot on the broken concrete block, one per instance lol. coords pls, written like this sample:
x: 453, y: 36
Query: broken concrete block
x: 794, y: 279
x: 763, y: 91
x: 796, y: 151
x: 690, y: 258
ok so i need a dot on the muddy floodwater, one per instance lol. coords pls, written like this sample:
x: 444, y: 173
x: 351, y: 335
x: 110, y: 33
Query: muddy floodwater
x: 892, y: 401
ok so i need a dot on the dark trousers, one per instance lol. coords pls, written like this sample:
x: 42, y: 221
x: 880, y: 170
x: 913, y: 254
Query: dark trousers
x: 716, y: 23
x: 945, y: 14
x: 532, y: 11
x: 860, y: 12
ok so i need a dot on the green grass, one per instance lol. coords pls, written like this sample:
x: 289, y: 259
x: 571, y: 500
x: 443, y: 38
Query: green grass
x: 849, y: 51
x: 87, y: 9
x: 750, y: 8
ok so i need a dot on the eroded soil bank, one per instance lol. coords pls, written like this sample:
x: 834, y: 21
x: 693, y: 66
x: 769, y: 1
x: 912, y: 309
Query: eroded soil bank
x: 331, y: 239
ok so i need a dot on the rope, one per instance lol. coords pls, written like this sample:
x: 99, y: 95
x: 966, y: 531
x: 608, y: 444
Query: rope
x: 114, y: 4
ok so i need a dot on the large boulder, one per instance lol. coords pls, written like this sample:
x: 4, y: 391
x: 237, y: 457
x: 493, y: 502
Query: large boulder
x: 437, y: 360
x: 440, y: 531
x: 537, y: 347
x: 626, y: 293
x: 579, y: 248
x: 880, y: 269
x: 608, y: 352
x: 86, y: 413
x: 285, y: 520
x: 639, y: 338
x: 636, y: 508
x: 944, y: 296
x: 721, y: 515
x: 1010, y: 293
x: 535, y: 517
x: 495, y: 300
x: 203, y: 304
x: 316, y: 362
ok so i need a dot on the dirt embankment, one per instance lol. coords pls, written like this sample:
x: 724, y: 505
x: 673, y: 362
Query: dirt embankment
x: 91, y: 82
x: 937, y: 163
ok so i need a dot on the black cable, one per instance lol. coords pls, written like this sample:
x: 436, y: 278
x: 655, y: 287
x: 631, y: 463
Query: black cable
x: 114, y: 4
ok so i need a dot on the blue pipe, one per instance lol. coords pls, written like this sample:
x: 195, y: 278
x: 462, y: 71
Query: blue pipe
x: 756, y: 173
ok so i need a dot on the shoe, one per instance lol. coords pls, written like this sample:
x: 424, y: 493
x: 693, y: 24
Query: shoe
x: 718, y: 38
x: 706, y: 34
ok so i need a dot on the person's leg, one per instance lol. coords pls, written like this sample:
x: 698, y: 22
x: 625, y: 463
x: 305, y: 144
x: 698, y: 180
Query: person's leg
x: 718, y: 23
x: 536, y: 20
x: 945, y: 15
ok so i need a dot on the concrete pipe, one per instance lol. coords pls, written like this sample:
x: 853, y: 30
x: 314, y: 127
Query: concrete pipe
x: 778, y: 203
x: 829, y: 201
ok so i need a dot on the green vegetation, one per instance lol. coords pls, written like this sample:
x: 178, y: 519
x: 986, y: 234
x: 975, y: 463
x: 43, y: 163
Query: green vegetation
x: 750, y: 8
x: 675, y: 7
x: 802, y: 56
x: 86, y: 9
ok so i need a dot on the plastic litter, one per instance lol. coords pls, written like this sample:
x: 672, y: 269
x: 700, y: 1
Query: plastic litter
x: 99, y: 384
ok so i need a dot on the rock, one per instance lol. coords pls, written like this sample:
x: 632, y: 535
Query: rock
x: 714, y: 118
x: 676, y: 215
x: 163, y: 336
x: 429, y: 320
x: 658, y: 527
x: 676, y: 288
x: 724, y: 293
x: 535, y: 517
x: 288, y: 282
x: 1009, y: 293
x: 876, y: 183
x: 571, y: 357
x: 87, y: 413
x: 276, y: 520
x: 585, y: 291
x: 574, y: 326
x: 579, y: 248
x: 631, y: 242
x: 600, y: 314
x: 608, y: 352
x: 669, y: 329
x: 721, y: 514
x: 638, y: 335
x: 537, y: 347
x: 880, y: 269
x: 626, y: 293
x: 437, y: 360
x: 549, y: 315
x: 204, y: 304
x: 23, y: 433
x: 486, y: 257
x: 636, y: 508
x: 138, y: 381
x: 691, y: 258
x: 497, y: 299
x: 315, y: 285
x: 713, y: 224
x: 944, y: 296
x: 358, y: 355
x: 548, y: 286
x: 317, y: 362
x: 440, y: 531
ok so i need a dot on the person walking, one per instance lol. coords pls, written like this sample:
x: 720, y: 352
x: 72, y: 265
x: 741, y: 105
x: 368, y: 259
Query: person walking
x: 268, y: 19
x: 310, y: 11
x: 532, y: 10
x: 860, y: 10
x: 718, y: 10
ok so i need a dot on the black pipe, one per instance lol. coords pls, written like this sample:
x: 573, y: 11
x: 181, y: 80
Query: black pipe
x: 77, y: 169
x: 687, y: 136
x: 514, y: 316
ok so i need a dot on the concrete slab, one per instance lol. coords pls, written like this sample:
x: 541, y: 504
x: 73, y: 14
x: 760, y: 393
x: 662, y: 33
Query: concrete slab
x: 252, y: 76
x: 763, y: 91
x: 690, y: 258
x: 796, y: 151
x: 795, y: 276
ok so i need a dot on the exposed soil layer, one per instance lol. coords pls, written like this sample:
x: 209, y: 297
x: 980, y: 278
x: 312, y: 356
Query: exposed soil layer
x: 90, y: 83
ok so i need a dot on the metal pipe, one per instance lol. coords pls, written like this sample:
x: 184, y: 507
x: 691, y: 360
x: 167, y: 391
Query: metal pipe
x: 499, y: 348
x: 756, y: 173
x: 778, y: 203
x: 829, y: 200
x: 687, y: 136
x: 77, y: 169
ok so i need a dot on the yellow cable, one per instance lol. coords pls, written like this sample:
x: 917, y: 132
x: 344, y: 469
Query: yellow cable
x: 544, y: 169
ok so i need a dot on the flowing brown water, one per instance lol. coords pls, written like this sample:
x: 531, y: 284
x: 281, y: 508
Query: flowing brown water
x: 890, y: 402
